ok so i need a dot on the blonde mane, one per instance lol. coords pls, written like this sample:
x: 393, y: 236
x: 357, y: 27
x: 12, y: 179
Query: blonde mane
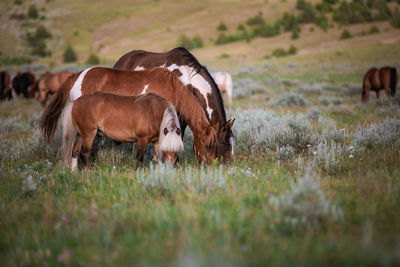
x: 171, y: 141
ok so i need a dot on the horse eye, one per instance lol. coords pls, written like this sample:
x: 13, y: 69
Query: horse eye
x: 178, y: 131
x: 165, y: 131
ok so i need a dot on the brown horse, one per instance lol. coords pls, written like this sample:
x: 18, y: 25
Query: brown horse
x: 197, y: 80
x: 49, y: 83
x: 378, y: 79
x: 21, y: 83
x: 131, y: 83
x: 224, y: 81
x: 5, y: 88
x: 144, y: 119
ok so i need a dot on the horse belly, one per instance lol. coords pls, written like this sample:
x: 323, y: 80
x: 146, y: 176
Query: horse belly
x: 118, y: 130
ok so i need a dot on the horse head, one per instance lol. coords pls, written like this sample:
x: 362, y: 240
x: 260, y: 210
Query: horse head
x: 225, y: 143
x: 205, y: 145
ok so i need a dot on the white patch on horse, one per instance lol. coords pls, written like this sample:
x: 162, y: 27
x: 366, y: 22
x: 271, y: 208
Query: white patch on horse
x: 139, y: 68
x: 76, y: 90
x: 144, y: 89
x: 189, y: 76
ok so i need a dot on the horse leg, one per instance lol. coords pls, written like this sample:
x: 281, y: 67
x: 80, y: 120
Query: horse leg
x: 141, y: 148
x: 75, y: 153
x: 365, y: 93
x: 157, y: 156
x: 87, y: 145
x: 377, y: 94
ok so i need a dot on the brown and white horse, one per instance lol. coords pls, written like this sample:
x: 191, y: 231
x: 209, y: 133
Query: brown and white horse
x: 131, y: 83
x: 197, y: 80
x: 144, y: 119
x: 5, y: 85
x: 49, y: 83
x: 377, y: 79
x: 21, y: 83
x: 224, y: 81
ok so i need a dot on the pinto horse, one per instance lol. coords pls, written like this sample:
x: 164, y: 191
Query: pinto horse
x: 144, y: 119
x: 197, y: 80
x: 5, y: 88
x: 21, y: 83
x: 378, y: 79
x: 130, y: 83
x: 49, y: 83
x: 224, y: 81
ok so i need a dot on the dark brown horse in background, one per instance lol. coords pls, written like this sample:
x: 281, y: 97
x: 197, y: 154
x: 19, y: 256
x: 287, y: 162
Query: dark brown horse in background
x: 22, y: 82
x: 49, y: 83
x: 5, y: 88
x: 198, y: 82
x: 131, y: 83
x: 377, y: 79
x: 144, y: 119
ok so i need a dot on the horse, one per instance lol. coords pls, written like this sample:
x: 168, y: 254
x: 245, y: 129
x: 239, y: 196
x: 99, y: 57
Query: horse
x: 5, y: 88
x: 21, y: 83
x: 224, y: 82
x: 197, y: 80
x: 130, y: 83
x: 144, y: 119
x: 49, y: 83
x: 378, y: 79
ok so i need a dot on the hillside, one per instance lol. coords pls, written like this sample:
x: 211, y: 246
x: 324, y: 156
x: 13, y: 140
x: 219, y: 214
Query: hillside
x: 110, y: 31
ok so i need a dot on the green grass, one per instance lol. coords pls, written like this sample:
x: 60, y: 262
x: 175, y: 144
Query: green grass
x: 117, y: 213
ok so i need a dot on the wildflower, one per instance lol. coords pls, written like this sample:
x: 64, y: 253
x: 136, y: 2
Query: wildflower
x: 315, y: 153
x: 64, y: 217
x: 351, y: 156
x: 114, y: 167
x: 308, y: 145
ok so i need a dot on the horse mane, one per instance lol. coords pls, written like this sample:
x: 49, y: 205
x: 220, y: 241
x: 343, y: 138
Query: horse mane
x: 189, y: 107
x: 171, y: 141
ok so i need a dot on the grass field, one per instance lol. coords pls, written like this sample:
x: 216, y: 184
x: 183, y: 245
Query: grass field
x: 315, y: 179
x: 328, y: 195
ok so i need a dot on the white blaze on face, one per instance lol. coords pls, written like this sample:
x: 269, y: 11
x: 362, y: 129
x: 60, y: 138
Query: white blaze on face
x: 144, y: 89
x: 189, y: 76
x: 76, y: 90
x: 139, y: 68
x: 232, y: 145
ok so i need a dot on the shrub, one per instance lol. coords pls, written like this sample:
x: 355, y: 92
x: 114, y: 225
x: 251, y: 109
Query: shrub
x: 256, y: 20
x: 373, y: 30
x: 313, y: 114
x: 260, y: 130
x: 188, y: 43
x: 395, y: 21
x: 305, y: 207
x: 289, y: 22
x: 307, y: 14
x: 279, y: 52
x: 322, y: 21
x: 386, y: 132
x: 345, y: 35
x: 328, y: 156
x: 295, y: 34
x: 33, y: 12
x: 69, y: 54
x: 222, y: 27
x: 289, y: 99
x: 284, y: 153
x: 327, y: 100
x: 93, y: 60
x: 292, y: 50
x: 37, y: 41
x: 18, y: 2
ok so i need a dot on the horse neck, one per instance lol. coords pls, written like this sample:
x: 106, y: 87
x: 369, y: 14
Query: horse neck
x: 189, y: 108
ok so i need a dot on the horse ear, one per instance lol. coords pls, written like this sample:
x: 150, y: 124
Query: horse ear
x: 165, y: 131
x: 229, y: 123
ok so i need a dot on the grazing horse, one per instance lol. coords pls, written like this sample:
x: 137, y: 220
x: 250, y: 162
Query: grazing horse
x: 49, y: 83
x: 130, y: 83
x: 378, y: 79
x: 144, y: 119
x: 197, y: 80
x: 21, y: 83
x: 224, y: 81
x: 5, y: 88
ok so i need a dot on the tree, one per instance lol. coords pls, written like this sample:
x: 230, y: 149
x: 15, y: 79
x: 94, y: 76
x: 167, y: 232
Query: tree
x: 69, y: 54
x: 222, y: 27
x: 32, y: 12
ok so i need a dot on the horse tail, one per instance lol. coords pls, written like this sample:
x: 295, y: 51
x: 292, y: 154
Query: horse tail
x: 393, y: 81
x: 69, y: 135
x: 34, y: 89
x: 51, y: 114
x: 170, y: 131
